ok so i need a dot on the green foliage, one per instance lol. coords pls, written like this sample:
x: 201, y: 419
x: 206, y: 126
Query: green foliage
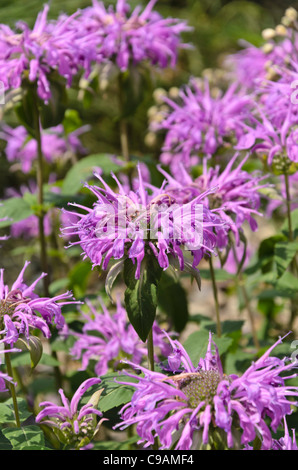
x: 141, y: 294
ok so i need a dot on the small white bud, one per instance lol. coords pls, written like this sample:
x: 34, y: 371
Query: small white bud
x: 268, y: 33
x: 267, y: 48
x: 291, y: 14
x: 281, y: 30
x: 158, y: 95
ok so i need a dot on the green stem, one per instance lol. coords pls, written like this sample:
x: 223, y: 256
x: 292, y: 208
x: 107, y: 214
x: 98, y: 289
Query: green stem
x: 241, y: 285
x: 150, y: 347
x: 40, y: 198
x: 12, y: 389
x: 123, y: 127
x: 288, y: 203
x: 215, y: 295
x: 293, y: 265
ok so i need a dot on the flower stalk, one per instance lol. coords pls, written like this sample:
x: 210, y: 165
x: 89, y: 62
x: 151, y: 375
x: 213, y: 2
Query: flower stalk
x: 40, y: 181
x: 215, y: 295
x: 12, y: 388
x: 293, y: 264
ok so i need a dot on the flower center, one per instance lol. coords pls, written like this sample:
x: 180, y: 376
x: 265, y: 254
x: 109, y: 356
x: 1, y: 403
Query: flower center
x: 9, y: 304
x: 201, y: 386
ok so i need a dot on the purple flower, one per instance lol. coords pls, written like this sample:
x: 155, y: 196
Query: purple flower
x: 202, y: 406
x: 199, y: 124
x: 21, y: 309
x: 126, y: 225
x: 49, y: 47
x: 21, y: 150
x: 130, y: 38
x: 278, y: 143
x: 74, y: 426
x: 236, y: 196
x: 108, y: 338
x: 287, y: 442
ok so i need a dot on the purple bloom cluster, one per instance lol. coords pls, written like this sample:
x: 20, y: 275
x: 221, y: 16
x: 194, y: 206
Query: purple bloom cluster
x: 130, y: 224
x: 75, y: 427
x: 21, y: 309
x: 38, y: 52
x: 128, y: 38
x: 74, y: 43
x: 236, y: 196
x: 184, y: 410
x: 198, y: 124
x: 108, y: 338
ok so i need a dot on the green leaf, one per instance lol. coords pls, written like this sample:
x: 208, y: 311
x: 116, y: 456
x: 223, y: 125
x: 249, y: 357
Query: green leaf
x: 33, y: 345
x: 24, y: 359
x: 294, y: 220
x: 15, y: 209
x: 172, y: 299
x: 7, y: 415
x: 83, y: 170
x: 284, y: 253
x: 71, y: 121
x: 197, y: 343
x: 28, y: 437
x: 266, y: 251
x: 111, y: 277
x: 114, y: 394
x: 141, y: 294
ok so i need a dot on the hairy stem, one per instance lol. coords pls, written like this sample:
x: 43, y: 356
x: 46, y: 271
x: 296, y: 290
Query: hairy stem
x: 12, y: 389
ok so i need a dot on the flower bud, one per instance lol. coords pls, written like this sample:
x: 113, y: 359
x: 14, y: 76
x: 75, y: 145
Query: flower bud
x: 268, y: 33
x: 291, y: 14
x: 281, y: 30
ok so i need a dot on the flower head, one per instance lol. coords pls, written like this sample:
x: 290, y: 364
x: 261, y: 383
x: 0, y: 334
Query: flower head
x: 198, y: 123
x: 287, y: 442
x: 123, y: 225
x: 49, y: 47
x: 236, y: 196
x: 202, y: 406
x: 108, y: 338
x: 74, y: 426
x: 126, y: 37
x: 21, y: 309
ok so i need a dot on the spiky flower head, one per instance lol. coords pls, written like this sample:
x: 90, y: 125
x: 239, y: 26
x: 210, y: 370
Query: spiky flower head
x: 200, y: 406
x: 75, y: 427
x: 107, y: 337
x: 22, y: 310
x: 130, y: 224
x: 127, y: 37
